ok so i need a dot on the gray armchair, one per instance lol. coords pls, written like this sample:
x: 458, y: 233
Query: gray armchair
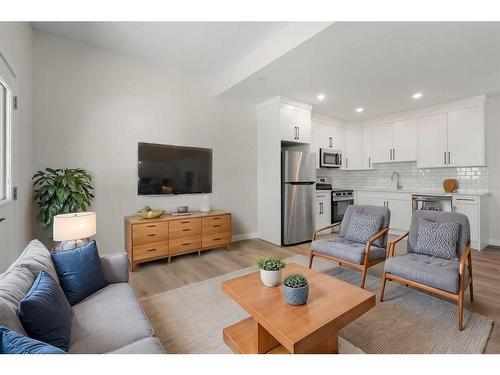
x: 355, y: 254
x: 449, y: 278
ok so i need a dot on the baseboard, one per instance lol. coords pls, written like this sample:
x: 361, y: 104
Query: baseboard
x: 244, y: 236
x: 494, y: 242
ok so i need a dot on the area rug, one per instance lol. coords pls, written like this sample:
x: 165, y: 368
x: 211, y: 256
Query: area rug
x: 191, y: 319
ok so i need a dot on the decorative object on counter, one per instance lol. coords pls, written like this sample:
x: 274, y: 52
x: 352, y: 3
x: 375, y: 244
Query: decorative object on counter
x: 74, y: 230
x: 450, y: 185
x: 182, y: 209
x: 61, y: 191
x: 270, y: 271
x: 205, y: 203
x: 148, y: 213
x: 296, y: 289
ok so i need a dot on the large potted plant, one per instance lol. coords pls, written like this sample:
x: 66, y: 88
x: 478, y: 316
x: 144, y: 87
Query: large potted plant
x: 61, y: 191
x: 296, y: 289
x: 270, y: 271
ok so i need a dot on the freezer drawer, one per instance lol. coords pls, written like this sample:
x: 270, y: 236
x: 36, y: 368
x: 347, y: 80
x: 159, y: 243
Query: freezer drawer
x: 298, y: 220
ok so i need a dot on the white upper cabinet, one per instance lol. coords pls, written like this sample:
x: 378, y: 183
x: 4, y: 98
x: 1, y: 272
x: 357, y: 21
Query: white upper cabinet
x: 353, y: 151
x: 367, y: 148
x: 382, y: 143
x: 432, y: 141
x: 466, y: 137
x: 452, y: 139
x: 295, y: 124
x: 395, y: 142
x: 404, y: 140
x: 326, y: 136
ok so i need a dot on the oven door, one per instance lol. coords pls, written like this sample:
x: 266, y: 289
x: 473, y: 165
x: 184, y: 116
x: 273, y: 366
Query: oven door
x: 329, y: 158
x: 339, y: 208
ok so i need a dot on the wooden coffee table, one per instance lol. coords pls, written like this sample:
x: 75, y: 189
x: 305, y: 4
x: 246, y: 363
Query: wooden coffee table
x: 277, y: 327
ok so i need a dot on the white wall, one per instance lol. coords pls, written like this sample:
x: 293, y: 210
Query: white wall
x: 93, y: 106
x: 493, y: 142
x: 16, y: 45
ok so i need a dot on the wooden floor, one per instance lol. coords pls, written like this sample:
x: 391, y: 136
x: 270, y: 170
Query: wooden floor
x: 158, y: 276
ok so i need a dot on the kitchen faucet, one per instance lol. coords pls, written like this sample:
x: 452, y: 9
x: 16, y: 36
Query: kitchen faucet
x: 398, y: 184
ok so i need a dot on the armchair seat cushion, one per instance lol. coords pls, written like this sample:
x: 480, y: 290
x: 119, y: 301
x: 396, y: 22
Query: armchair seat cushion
x: 347, y: 250
x: 426, y: 269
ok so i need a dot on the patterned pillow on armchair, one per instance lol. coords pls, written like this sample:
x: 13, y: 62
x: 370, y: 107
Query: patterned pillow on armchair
x: 437, y: 239
x: 363, y: 227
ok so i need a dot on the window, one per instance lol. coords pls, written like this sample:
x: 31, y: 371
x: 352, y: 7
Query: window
x: 5, y: 134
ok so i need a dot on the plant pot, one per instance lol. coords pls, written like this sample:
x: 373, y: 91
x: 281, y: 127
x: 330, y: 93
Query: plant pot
x: 296, y: 296
x: 270, y: 278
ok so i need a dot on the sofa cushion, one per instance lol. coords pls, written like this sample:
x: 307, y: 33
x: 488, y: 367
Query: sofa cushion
x: 108, y: 320
x: 437, y: 239
x: 45, y: 312
x: 374, y: 210
x: 425, y: 269
x: 149, y: 345
x: 439, y: 217
x: 345, y: 249
x: 36, y: 257
x: 80, y: 272
x: 12, y: 342
x: 363, y: 227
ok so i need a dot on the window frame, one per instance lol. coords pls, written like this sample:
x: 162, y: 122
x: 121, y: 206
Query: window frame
x: 7, y: 75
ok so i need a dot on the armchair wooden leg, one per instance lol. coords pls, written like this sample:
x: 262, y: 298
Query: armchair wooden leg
x: 382, y: 288
x: 471, y: 289
x: 461, y: 310
x: 311, y: 256
x: 363, y: 277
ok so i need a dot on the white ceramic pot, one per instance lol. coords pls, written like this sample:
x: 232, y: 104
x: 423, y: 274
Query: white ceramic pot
x: 270, y: 278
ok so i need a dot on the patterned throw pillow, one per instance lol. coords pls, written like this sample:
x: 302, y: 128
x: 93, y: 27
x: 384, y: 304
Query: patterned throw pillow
x: 437, y: 239
x: 363, y: 227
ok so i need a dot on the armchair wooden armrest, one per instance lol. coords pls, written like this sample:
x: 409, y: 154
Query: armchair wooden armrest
x: 392, y: 244
x: 325, y: 228
x: 463, y: 260
x: 370, y: 242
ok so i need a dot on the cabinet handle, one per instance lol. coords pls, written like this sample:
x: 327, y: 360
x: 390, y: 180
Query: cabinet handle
x: 187, y: 243
x: 369, y: 162
x: 393, y: 154
x: 449, y: 157
x: 2, y: 219
x: 186, y: 230
x: 330, y: 142
x: 390, y: 154
x: 444, y: 157
x: 217, y: 239
x: 216, y: 218
x: 466, y: 199
x: 151, y: 226
x: 150, y: 250
x: 298, y: 132
x: 151, y: 235
x: 217, y: 226
x: 184, y: 222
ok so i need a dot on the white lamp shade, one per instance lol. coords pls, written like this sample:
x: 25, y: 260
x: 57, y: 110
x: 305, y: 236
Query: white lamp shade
x: 76, y: 226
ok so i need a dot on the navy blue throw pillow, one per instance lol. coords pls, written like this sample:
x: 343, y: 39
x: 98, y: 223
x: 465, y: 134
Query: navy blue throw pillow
x: 13, y: 343
x: 79, y: 271
x: 45, y: 312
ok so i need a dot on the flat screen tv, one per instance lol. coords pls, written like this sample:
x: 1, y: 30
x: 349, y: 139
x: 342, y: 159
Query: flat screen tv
x: 167, y: 169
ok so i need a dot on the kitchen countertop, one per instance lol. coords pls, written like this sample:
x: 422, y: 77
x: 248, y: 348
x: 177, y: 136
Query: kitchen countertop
x: 423, y: 191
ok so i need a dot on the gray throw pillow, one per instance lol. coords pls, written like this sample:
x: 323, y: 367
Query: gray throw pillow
x: 363, y: 227
x: 437, y: 239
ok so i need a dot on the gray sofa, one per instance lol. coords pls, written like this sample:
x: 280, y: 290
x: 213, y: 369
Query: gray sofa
x: 109, y: 321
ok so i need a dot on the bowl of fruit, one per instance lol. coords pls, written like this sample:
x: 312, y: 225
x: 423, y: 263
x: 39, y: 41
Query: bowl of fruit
x: 148, y: 213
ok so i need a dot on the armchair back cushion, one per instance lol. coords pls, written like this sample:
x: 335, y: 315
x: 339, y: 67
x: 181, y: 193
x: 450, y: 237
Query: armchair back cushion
x: 439, y: 217
x: 363, y: 227
x: 370, y: 210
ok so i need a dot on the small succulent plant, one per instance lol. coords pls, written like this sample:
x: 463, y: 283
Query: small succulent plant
x: 271, y: 264
x: 295, y: 280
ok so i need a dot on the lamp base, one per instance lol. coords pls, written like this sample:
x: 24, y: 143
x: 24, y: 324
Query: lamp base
x: 72, y: 244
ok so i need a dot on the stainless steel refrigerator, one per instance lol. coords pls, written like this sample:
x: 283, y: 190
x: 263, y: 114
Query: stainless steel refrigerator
x: 297, y: 189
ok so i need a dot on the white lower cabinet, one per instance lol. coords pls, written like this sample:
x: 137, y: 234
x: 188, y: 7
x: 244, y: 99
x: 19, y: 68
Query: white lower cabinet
x: 476, y: 210
x: 323, y: 209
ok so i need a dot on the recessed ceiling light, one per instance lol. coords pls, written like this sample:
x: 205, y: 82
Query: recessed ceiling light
x: 321, y: 96
x: 360, y: 109
x: 417, y: 95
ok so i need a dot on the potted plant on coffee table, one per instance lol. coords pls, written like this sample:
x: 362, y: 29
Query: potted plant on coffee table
x: 270, y: 271
x: 296, y: 289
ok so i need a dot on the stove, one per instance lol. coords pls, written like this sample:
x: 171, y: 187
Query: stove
x: 341, y: 198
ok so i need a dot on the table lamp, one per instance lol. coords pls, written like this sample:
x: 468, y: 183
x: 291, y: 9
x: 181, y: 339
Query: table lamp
x: 73, y: 230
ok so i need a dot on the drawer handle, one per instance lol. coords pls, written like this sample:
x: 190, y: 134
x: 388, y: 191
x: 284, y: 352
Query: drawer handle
x: 186, y: 230
x: 217, y: 239
x: 217, y: 226
x: 187, y: 243
x: 151, y: 226
x: 151, y: 235
x: 466, y: 199
x: 150, y: 250
x: 184, y: 222
x: 216, y: 218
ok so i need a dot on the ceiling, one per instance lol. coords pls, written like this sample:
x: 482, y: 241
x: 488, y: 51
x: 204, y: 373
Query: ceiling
x: 195, y: 47
x: 378, y: 66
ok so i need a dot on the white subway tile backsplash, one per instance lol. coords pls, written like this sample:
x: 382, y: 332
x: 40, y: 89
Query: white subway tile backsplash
x: 411, y: 177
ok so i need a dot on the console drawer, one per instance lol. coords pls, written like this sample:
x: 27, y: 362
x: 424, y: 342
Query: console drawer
x: 215, y: 228
x: 149, y: 233
x: 216, y: 239
x: 152, y: 250
x: 184, y: 228
x: 216, y: 220
x: 180, y: 245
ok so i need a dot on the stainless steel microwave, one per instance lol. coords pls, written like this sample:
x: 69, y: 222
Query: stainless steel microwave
x: 329, y: 158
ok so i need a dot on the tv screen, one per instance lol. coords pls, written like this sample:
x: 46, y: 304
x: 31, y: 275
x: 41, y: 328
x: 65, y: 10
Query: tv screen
x: 167, y: 169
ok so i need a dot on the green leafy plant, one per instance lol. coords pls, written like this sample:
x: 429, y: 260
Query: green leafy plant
x: 295, y: 280
x: 61, y: 191
x: 271, y: 264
